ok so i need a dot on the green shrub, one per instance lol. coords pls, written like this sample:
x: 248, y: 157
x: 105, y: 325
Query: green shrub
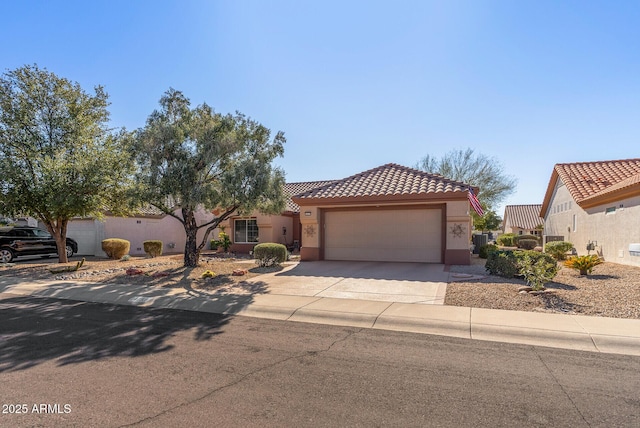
x: 483, y: 251
x: 527, y: 244
x: 536, y: 268
x: 153, y: 248
x: 558, y: 249
x: 584, y: 264
x: 270, y: 254
x: 115, y: 248
x: 223, y: 241
x: 502, y: 263
x: 507, y: 240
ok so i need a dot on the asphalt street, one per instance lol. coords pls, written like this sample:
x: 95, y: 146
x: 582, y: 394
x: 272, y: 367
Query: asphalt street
x: 68, y: 363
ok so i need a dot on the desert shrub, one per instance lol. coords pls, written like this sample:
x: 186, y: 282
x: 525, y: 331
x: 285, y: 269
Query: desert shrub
x: 502, y: 263
x: 584, y: 264
x: 507, y: 240
x: 521, y: 237
x: 223, y: 241
x: 536, y: 268
x: 558, y: 249
x: 483, y: 251
x: 527, y: 244
x: 115, y: 248
x: 270, y: 254
x: 153, y: 248
x: 208, y: 274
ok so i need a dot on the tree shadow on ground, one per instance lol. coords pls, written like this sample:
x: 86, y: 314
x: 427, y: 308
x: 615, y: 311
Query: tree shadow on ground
x: 559, y: 286
x: 35, y: 330
x: 601, y: 277
x: 556, y: 303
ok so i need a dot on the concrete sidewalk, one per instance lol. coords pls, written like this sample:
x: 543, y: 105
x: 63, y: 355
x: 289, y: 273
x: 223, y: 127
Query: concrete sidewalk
x: 597, y: 334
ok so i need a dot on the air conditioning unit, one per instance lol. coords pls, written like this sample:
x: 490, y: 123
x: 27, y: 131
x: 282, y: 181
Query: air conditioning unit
x: 634, y: 249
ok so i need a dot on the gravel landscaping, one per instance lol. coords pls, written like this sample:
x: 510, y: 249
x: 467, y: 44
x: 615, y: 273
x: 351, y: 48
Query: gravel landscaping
x: 163, y: 271
x: 612, y: 290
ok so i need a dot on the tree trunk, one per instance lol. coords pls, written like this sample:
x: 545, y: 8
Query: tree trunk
x: 191, y: 252
x: 58, y: 230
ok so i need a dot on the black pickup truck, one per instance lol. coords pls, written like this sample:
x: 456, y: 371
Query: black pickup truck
x: 17, y: 241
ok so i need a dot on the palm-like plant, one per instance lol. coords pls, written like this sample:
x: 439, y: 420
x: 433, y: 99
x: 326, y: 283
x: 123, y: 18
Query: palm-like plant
x: 584, y: 264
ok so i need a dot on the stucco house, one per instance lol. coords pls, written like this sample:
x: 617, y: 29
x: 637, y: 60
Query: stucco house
x: 284, y: 228
x: 389, y: 213
x: 152, y: 224
x: 596, y: 206
x: 148, y: 224
x: 522, y: 219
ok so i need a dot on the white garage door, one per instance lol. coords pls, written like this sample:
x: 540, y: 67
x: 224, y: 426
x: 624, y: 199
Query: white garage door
x: 84, y: 232
x: 402, y: 235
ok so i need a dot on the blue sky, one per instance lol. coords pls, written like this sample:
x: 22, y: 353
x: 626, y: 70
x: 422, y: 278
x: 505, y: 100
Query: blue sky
x: 357, y: 84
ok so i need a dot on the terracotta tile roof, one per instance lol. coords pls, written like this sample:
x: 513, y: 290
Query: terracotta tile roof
x: 384, y: 181
x: 291, y: 189
x: 523, y: 216
x: 584, y: 180
x: 592, y: 182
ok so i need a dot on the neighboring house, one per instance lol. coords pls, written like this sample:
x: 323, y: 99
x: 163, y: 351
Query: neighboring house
x: 148, y: 224
x: 522, y: 219
x: 596, y: 206
x: 389, y: 213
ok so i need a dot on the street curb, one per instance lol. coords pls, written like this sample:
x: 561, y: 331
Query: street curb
x: 584, y: 333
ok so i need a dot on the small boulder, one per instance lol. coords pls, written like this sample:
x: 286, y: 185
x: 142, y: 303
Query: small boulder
x: 239, y: 272
x: 160, y: 274
x: 134, y: 271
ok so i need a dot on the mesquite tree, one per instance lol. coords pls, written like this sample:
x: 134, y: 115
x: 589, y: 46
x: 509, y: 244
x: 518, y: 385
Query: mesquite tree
x: 193, y: 159
x: 475, y: 169
x: 58, y: 158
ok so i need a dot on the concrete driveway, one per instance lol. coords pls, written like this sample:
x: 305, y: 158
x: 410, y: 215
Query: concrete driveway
x: 380, y: 281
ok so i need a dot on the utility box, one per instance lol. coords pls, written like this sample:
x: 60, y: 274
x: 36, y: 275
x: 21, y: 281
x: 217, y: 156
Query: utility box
x: 479, y: 241
x: 634, y: 250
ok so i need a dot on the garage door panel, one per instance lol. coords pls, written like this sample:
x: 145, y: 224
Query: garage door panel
x: 411, y: 235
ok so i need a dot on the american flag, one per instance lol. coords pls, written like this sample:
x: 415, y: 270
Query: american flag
x: 475, y: 203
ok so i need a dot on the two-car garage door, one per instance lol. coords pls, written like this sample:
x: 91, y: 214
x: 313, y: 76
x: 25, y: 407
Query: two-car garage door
x: 398, y: 235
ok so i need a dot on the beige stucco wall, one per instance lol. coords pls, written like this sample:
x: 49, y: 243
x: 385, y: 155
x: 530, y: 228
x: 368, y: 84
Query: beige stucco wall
x: 613, y: 232
x: 457, y: 229
x: 269, y: 227
x: 138, y: 229
x: 458, y: 220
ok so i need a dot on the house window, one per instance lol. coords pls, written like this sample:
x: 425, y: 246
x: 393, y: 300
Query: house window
x: 610, y: 210
x: 246, y: 231
x: 575, y: 222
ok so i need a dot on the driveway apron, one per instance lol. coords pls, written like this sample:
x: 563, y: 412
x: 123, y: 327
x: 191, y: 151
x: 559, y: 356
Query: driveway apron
x: 379, y: 281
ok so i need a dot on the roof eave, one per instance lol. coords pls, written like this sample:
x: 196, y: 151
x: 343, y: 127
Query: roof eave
x: 547, y: 196
x: 383, y: 199
x: 627, y: 192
